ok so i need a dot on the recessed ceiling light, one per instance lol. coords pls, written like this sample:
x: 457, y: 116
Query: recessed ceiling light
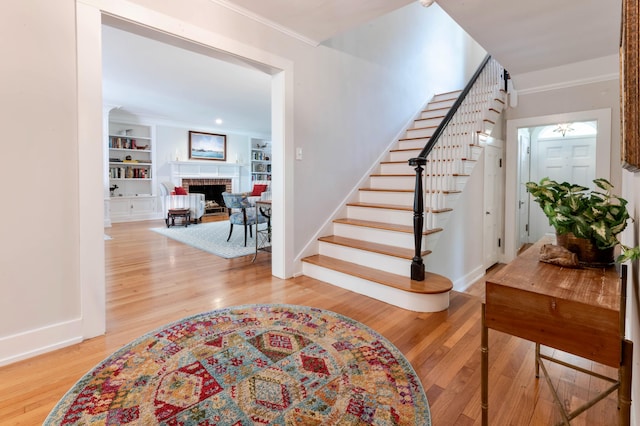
x: 218, y: 121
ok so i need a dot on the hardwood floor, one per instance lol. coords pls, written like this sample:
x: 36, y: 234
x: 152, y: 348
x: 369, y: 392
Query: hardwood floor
x: 152, y: 280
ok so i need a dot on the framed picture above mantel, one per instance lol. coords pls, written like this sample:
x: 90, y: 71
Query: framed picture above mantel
x: 207, y: 146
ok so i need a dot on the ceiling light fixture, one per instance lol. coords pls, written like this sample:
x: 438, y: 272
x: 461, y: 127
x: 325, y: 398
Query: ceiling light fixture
x: 219, y: 121
x: 426, y: 3
x: 563, y: 128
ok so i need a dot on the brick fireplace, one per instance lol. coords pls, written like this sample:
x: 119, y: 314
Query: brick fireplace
x: 212, y: 188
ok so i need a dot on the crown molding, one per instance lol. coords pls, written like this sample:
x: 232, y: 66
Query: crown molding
x: 569, y: 75
x: 269, y: 23
x: 568, y: 84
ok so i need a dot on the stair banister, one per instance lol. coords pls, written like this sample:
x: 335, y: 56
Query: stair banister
x: 419, y: 163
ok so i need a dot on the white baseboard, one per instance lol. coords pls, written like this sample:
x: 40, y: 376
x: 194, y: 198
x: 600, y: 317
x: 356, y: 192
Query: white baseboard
x: 462, y: 284
x: 38, y: 341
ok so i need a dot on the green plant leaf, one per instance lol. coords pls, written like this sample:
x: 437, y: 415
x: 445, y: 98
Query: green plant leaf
x: 629, y: 254
x: 603, y: 184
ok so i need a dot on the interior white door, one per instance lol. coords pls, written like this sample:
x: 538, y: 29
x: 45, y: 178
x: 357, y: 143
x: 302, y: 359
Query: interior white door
x: 563, y: 160
x: 524, y: 147
x: 492, y: 203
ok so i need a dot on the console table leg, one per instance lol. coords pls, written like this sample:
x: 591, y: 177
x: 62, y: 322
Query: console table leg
x: 624, y: 376
x: 485, y: 370
x: 537, y: 360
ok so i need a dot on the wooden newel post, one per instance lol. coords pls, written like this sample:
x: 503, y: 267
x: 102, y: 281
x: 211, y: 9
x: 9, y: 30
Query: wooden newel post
x: 417, y: 266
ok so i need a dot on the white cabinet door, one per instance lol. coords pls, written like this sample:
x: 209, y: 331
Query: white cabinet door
x: 126, y: 209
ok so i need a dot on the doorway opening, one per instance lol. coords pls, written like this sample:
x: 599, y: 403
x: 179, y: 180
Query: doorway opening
x: 572, y: 147
x: 564, y: 152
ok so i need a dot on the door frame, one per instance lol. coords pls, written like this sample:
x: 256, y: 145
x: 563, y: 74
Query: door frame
x: 89, y: 16
x: 498, y: 199
x: 603, y: 162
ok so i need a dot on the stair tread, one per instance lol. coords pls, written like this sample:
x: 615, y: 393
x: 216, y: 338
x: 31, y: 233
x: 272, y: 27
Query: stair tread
x: 432, y: 284
x: 435, y: 109
x: 381, y: 206
x: 403, y: 190
x: 395, y: 251
x: 395, y: 207
x: 383, y: 225
x: 413, y: 174
x: 440, y: 159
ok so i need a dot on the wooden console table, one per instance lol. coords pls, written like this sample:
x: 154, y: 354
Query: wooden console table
x: 579, y: 311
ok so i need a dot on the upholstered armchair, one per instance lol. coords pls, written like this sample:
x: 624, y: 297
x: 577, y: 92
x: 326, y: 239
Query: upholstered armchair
x: 194, y: 202
x: 241, y: 212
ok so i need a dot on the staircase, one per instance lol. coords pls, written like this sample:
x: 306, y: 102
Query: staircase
x: 371, y: 249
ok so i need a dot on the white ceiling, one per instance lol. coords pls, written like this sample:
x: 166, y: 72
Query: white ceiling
x: 526, y: 36
x: 146, y: 77
x: 159, y: 78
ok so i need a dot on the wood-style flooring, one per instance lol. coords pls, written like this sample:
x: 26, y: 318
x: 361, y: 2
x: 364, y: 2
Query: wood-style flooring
x: 152, y: 280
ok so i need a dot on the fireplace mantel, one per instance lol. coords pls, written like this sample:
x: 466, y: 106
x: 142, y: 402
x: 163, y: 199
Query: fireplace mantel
x: 209, y: 169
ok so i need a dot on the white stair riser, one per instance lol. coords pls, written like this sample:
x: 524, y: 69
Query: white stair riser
x: 443, y: 183
x: 386, y: 197
x: 426, y: 122
x: 436, y: 220
x: 393, y: 182
x: 405, y: 198
x: 460, y: 182
x: 431, y: 113
x: 471, y: 152
x: 397, y: 217
x: 440, y: 200
x: 412, y: 143
x: 380, y: 236
x: 443, y: 96
x: 487, y: 127
x: 411, y: 301
x: 441, y: 104
x: 392, y: 264
x: 396, y: 168
x: 493, y: 115
x: 476, y: 151
x: 420, y: 133
x: 468, y: 166
x: 404, y: 155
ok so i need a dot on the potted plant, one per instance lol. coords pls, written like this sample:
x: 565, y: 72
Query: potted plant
x: 581, y: 216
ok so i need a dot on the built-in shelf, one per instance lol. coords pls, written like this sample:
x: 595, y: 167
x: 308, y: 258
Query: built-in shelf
x: 130, y: 172
x: 261, y: 161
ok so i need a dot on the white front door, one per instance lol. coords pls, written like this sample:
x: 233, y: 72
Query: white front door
x: 563, y: 160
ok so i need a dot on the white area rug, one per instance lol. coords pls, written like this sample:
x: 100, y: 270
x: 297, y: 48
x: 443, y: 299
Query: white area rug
x: 212, y: 237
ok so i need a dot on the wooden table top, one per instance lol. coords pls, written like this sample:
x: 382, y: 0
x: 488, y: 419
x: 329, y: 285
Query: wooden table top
x: 600, y: 286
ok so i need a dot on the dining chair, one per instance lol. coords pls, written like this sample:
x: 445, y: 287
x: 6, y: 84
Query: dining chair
x: 241, y: 212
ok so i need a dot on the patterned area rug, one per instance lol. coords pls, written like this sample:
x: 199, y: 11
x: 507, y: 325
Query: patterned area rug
x: 212, y: 237
x: 251, y: 365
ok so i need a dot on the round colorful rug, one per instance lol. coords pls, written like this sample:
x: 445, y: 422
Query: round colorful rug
x: 250, y: 365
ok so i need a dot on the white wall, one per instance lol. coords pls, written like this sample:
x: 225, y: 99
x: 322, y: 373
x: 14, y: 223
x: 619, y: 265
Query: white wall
x: 39, y: 218
x: 172, y: 141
